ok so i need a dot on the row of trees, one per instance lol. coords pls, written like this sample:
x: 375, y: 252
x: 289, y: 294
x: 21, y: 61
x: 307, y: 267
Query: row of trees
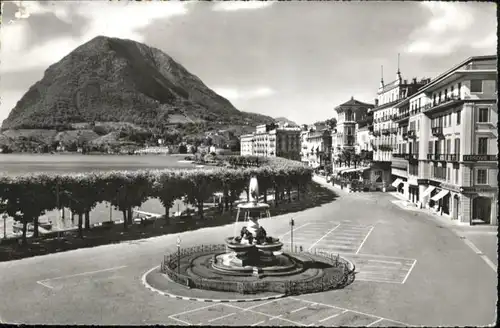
x: 349, y: 156
x: 26, y: 198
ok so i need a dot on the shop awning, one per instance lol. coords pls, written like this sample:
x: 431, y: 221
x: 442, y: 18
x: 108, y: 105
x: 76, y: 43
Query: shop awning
x: 362, y: 168
x: 440, y: 195
x: 397, y: 182
x: 428, y: 191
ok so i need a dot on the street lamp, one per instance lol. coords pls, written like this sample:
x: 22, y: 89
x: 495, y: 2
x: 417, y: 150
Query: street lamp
x: 178, y: 254
x: 4, y: 226
x: 292, y: 223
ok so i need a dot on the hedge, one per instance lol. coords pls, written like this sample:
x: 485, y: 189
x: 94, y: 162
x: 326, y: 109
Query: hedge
x: 27, y: 197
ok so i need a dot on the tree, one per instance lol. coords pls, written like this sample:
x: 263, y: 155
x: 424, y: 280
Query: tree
x: 332, y: 123
x: 167, y: 188
x: 182, y: 149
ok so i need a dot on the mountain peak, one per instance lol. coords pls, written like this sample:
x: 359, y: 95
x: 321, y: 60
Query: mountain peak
x: 120, y: 80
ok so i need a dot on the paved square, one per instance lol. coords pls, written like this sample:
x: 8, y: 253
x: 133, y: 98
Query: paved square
x: 289, y: 311
x: 382, y: 268
x: 79, y: 279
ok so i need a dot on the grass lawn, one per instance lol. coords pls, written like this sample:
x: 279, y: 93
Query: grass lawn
x: 316, y: 195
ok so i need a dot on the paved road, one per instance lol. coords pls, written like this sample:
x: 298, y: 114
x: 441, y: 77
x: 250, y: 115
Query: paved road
x: 412, y: 270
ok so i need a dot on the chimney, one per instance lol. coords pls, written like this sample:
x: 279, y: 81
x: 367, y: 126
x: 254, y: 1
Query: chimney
x: 405, y: 81
x: 376, y: 102
x: 414, y: 80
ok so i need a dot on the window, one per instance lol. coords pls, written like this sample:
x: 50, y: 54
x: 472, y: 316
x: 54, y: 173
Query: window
x: 439, y: 98
x: 429, y: 147
x: 446, y: 94
x: 437, y: 148
x: 476, y: 86
x: 449, y: 119
x: 448, y: 175
x: 418, y: 125
x: 482, y: 146
x: 459, y: 117
x: 459, y: 90
x: 483, y: 115
x: 457, y: 146
x: 456, y: 176
x: 416, y: 147
x: 481, y: 176
x: 448, y: 146
x: 452, y: 91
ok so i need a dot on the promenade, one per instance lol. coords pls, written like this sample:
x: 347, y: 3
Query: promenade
x: 411, y: 270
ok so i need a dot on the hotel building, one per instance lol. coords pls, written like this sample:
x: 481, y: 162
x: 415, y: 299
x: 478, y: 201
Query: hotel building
x: 268, y: 140
x: 318, y: 148
x: 447, y: 154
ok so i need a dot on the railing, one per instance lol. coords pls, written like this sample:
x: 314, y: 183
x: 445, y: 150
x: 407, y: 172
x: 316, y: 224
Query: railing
x: 399, y: 155
x: 438, y: 157
x: 412, y: 134
x: 437, y: 131
x: 452, y: 157
x: 322, y: 283
x: 446, y: 100
x: 386, y: 132
x: 376, y: 133
x: 405, y: 135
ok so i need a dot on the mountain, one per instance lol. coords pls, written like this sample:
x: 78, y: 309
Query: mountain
x: 285, y: 120
x: 117, y: 80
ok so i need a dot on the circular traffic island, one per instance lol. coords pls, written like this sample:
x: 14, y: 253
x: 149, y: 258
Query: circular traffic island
x: 219, y: 272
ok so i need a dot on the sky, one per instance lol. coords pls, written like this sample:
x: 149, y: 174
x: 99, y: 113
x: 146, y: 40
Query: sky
x: 293, y: 59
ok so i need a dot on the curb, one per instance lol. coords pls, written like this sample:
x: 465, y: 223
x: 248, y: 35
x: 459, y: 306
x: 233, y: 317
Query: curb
x: 207, y: 300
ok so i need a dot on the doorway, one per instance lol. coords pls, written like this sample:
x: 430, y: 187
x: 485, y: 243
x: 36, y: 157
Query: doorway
x: 481, y: 210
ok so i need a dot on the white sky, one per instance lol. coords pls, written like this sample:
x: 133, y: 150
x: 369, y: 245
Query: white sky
x: 292, y: 59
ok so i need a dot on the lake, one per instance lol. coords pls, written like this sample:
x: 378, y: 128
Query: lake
x: 14, y: 164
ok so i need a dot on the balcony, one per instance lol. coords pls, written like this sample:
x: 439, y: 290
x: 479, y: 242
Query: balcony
x: 437, y: 157
x: 386, y: 132
x: 405, y: 135
x: 399, y: 155
x: 437, y: 131
x: 412, y: 134
x: 394, y: 130
x: 376, y: 133
x: 441, y: 104
x: 452, y: 157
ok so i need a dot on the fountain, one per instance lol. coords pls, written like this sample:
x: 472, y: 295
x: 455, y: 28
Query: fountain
x: 253, y: 262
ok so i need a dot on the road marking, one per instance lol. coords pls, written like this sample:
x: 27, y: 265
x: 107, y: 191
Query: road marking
x: 83, y: 273
x: 330, y: 231
x: 374, y: 322
x: 363, y: 242
x: 382, y: 256
x: 333, y: 316
x: 254, y: 306
x: 224, y: 316
x: 299, y: 309
x: 194, y: 310
x: 271, y: 317
x: 258, y: 323
x: 388, y: 262
x: 286, y: 233
x: 184, y: 322
x: 478, y: 252
x: 44, y: 285
x: 409, y: 271
x: 353, y: 311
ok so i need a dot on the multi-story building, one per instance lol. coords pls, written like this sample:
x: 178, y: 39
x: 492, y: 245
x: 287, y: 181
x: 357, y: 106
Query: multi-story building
x: 268, y: 140
x: 319, y: 148
x: 246, y: 142
x: 349, y: 114
x: 449, y: 142
x: 304, y: 152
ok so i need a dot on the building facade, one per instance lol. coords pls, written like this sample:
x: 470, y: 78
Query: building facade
x: 448, y: 142
x: 246, y: 144
x: 350, y: 115
x: 268, y: 140
x: 319, y: 148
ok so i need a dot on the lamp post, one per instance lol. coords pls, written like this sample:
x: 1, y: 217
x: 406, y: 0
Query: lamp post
x: 4, y: 226
x: 292, y: 223
x: 178, y: 255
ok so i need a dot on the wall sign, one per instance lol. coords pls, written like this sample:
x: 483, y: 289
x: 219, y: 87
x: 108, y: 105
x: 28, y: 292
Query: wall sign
x: 479, y: 158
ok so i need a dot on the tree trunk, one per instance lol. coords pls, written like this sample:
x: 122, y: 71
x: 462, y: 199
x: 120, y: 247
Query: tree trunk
x: 200, y: 209
x: 298, y: 192
x: 167, y: 214
x: 87, y: 220
x: 276, y: 196
x: 125, y: 222
x: 62, y: 212
x: 80, y: 225
x: 35, y: 227
x: 289, y: 195
x: 265, y: 195
x: 25, y: 228
x: 72, y: 217
x: 129, y: 215
x: 248, y: 194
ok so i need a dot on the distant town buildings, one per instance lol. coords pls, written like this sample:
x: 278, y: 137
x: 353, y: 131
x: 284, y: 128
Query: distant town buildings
x: 316, y: 143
